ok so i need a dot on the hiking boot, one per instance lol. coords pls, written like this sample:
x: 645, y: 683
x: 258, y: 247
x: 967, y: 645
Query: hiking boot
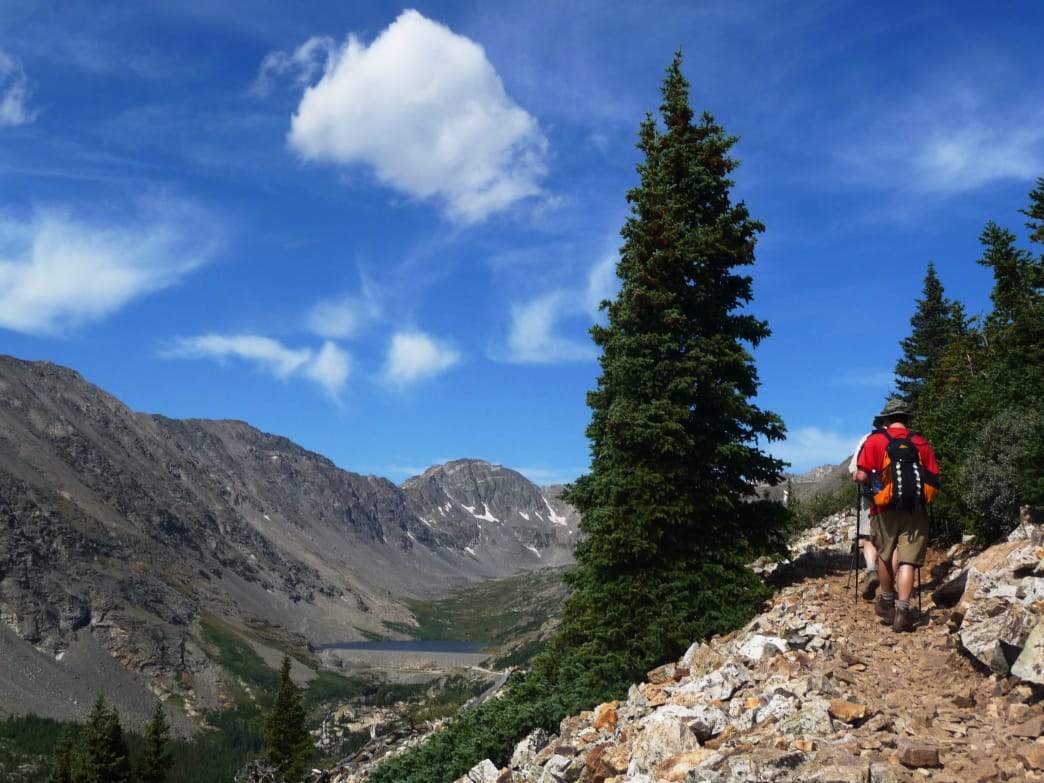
x: 902, y: 622
x: 870, y: 588
x: 886, y: 611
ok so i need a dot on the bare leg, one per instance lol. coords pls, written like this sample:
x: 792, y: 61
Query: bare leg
x: 887, y: 572
x: 869, y: 553
x: 904, y: 582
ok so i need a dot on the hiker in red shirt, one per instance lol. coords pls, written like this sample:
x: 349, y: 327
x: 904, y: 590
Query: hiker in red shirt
x: 900, y: 535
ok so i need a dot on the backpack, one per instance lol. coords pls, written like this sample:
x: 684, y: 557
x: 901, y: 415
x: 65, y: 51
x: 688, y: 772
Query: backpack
x: 905, y: 483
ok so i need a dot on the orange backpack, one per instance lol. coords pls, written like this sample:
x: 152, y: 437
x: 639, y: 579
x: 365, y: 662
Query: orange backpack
x: 906, y: 484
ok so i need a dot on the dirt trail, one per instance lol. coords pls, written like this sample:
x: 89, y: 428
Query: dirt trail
x: 922, y: 689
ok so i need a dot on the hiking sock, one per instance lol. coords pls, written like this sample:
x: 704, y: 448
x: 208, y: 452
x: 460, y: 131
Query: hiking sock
x: 902, y: 606
x: 888, y: 598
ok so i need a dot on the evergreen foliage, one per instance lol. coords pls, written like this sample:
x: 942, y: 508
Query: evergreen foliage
x: 935, y: 324
x: 101, y: 754
x: 669, y: 508
x: 62, y: 762
x: 155, y: 760
x: 666, y: 507
x: 288, y: 745
x: 981, y: 399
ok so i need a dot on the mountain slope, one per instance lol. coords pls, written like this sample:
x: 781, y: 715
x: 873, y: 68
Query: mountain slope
x: 124, y: 532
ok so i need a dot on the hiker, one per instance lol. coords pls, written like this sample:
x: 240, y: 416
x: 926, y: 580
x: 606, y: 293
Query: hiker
x: 899, y: 534
x: 863, y: 496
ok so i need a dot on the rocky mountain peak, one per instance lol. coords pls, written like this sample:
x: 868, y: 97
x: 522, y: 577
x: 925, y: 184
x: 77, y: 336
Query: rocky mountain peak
x: 121, y: 533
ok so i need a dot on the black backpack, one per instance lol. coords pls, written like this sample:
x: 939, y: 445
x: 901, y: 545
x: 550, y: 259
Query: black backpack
x: 905, y: 483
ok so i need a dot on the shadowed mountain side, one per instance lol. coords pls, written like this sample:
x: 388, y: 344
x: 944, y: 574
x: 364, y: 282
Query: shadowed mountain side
x: 137, y: 531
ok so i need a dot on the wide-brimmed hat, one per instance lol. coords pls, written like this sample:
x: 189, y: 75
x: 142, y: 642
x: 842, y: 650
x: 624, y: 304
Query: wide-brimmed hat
x: 893, y: 409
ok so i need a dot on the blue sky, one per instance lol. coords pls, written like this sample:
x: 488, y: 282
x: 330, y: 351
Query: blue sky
x: 383, y: 231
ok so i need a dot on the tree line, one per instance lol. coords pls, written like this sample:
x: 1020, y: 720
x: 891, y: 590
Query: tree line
x: 99, y: 751
x: 976, y: 385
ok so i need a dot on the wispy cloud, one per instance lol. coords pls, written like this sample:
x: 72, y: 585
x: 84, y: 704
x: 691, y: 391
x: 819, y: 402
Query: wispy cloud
x: 58, y: 272
x: 810, y: 447
x: 866, y: 378
x: 534, y: 332
x: 14, y: 92
x: 424, y: 109
x: 949, y: 140
x: 342, y: 317
x: 415, y: 356
x: 329, y: 366
x: 533, y: 339
x: 313, y: 57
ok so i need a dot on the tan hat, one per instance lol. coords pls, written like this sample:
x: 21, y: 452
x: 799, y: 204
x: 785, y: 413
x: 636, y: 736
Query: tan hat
x: 893, y: 409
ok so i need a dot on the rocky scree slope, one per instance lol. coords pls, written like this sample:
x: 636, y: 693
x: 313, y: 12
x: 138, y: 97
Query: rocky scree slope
x: 123, y: 533
x: 816, y: 689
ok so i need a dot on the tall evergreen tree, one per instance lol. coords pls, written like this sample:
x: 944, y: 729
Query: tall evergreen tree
x: 62, y: 761
x: 1035, y: 212
x: 155, y: 760
x: 674, y: 435
x: 101, y: 756
x: 934, y: 325
x: 669, y: 507
x: 287, y: 742
x: 1016, y: 275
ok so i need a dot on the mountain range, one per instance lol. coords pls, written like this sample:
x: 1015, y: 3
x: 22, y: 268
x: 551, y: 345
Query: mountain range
x: 124, y: 535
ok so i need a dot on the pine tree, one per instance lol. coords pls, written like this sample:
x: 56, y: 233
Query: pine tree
x: 1017, y: 276
x: 288, y: 744
x: 674, y: 436
x: 1035, y: 212
x: 62, y: 762
x: 935, y: 324
x: 155, y: 761
x: 101, y: 756
x: 670, y: 508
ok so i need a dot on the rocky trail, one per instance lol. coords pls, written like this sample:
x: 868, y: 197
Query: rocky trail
x: 931, y: 711
x: 816, y: 689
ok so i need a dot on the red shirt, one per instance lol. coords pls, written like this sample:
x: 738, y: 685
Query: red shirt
x: 871, y: 457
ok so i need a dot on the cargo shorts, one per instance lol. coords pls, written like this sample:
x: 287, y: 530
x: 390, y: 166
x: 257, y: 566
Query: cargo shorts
x: 905, y: 531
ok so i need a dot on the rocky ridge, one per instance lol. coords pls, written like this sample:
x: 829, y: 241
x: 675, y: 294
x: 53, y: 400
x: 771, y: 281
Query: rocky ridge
x: 124, y: 534
x: 816, y: 689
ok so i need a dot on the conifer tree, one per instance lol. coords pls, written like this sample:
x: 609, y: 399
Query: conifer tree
x: 62, y: 762
x: 934, y: 325
x: 670, y: 508
x: 1017, y: 277
x: 675, y: 457
x: 288, y: 744
x: 1035, y: 212
x: 101, y: 756
x: 155, y: 760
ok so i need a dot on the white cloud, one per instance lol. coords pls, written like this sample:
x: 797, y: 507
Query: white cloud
x: 312, y: 57
x: 810, y: 447
x: 866, y: 378
x: 413, y: 356
x: 58, y: 273
x: 532, y: 337
x: 947, y: 139
x: 424, y: 108
x: 342, y: 317
x: 602, y: 283
x: 971, y: 154
x: 329, y: 367
x: 532, y: 334
x: 14, y: 92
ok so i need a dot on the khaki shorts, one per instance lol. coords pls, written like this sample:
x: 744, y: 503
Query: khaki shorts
x: 906, y: 531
